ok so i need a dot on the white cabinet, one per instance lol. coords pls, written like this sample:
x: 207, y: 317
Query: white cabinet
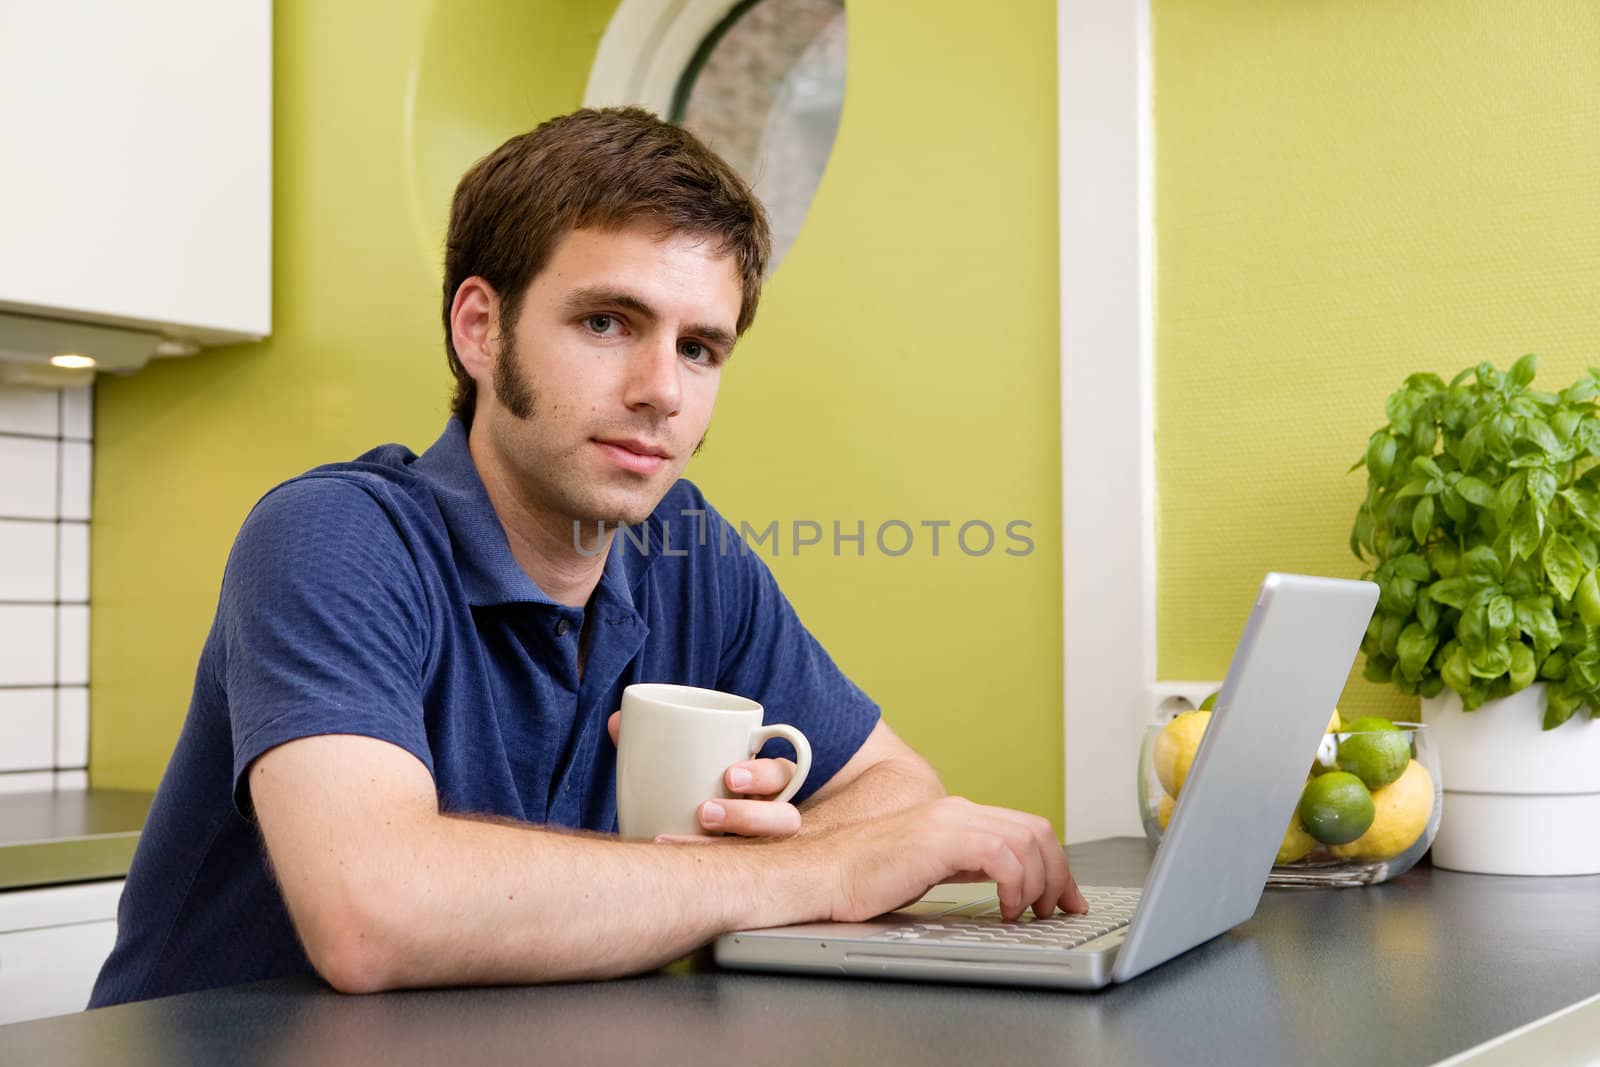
x: 136, y: 169
x: 52, y: 944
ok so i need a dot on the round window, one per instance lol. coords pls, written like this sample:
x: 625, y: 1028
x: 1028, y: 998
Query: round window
x: 765, y: 90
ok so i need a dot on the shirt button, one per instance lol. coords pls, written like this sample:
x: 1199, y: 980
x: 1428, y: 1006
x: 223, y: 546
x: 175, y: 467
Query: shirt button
x: 562, y: 627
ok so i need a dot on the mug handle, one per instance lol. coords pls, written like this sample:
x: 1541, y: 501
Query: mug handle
x: 802, y: 750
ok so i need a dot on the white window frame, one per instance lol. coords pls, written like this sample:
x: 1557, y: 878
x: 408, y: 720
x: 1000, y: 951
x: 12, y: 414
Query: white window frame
x: 646, y: 48
x: 1108, y: 493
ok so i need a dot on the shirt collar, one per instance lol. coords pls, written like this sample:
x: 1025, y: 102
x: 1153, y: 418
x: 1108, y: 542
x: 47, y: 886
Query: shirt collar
x: 489, y: 572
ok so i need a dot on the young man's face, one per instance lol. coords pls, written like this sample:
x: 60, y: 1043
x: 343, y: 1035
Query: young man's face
x: 606, y: 385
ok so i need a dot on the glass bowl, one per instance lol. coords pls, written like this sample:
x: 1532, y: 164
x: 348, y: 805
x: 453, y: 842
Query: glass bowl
x: 1329, y: 839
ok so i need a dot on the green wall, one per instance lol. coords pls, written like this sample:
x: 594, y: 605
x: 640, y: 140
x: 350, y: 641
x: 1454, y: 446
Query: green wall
x: 904, y: 364
x: 1347, y: 193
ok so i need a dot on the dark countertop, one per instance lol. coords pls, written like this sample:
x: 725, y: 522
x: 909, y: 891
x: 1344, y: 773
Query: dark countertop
x: 68, y: 835
x: 1404, y: 973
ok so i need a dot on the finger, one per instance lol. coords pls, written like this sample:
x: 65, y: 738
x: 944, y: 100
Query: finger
x: 760, y: 778
x: 1057, y: 883
x: 750, y: 818
x: 992, y: 854
x: 614, y: 725
x: 1073, y: 899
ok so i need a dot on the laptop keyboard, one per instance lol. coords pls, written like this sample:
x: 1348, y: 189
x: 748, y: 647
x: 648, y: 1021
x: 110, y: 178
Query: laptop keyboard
x: 1110, y: 908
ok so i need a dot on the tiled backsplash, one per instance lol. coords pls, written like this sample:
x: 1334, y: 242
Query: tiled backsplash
x: 46, y: 452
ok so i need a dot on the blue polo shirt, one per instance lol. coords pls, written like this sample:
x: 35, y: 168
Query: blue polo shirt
x: 379, y: 597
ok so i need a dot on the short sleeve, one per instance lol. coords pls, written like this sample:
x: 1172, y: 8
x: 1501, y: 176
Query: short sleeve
x: 323, y: 625
x: 769, y: 656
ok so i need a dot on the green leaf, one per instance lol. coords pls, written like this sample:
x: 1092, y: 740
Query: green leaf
x: 1413, y: 648
x: 1539, y: 433
x: 1427, y: 611
x: 1392, y: 625
x: 1492, y: 662
x: 1580, y: 391
x: 1585, y: 505
x: 1451, y: 592
x: 1510, y: 494
x: 1426, y: 465
x: 1542, y: 485
x: 1482, y: 562
x: 1475, y: 492
x: 1422, y: 521
x: 1455, y: 672
x: 1415, y: 487
x: 1471, y: 447
x: 1562, y: 565
x: 1398, y: 595
x: 1380, y: 454
x: 1522, y: 670
x: 1554, y: 667
x: 1527, y: 528
x: 1559, y: 706
x: 1501, y: 616
x: 1523, y: 370
x: 1412, y: 566
x: 1378, y: 669
x: 1536, y: 619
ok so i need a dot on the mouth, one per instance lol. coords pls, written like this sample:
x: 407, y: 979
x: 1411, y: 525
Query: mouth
x: 640, y: 457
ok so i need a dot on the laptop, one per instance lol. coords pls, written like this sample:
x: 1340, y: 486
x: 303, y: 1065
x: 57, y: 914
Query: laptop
x: 1208, y: 874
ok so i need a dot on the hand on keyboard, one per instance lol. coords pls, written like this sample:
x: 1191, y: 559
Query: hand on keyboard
x: 883, y: 864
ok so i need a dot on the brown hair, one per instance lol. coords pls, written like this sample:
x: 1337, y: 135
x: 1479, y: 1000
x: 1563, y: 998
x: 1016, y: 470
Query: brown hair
x: 603, y: 169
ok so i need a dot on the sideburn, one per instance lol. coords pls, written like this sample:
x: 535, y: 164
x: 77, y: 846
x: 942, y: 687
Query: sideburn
x: 513, y: 390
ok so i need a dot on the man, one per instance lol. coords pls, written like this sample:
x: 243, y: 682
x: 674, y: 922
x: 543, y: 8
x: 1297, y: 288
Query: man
x: 396, y: 768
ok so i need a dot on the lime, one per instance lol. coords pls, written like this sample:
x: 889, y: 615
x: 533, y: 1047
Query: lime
x: 1297, y: 844
x: 1376, y: 751
x: 1369, y: 722
x: 1176, y: 746
x: 1401, y: 811
x: 1210, y: 702
x: 1336, y: 808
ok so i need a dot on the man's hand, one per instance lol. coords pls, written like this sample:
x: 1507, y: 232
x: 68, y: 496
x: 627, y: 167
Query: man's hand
x: 761, y: 779
x: 882, y: 864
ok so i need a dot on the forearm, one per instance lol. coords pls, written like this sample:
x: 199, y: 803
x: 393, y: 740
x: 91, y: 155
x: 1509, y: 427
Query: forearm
x: 475, y: 902
x: 885, y: 787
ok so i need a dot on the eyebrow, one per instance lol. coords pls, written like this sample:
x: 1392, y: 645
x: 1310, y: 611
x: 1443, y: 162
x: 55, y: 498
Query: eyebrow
x: 591, y: 296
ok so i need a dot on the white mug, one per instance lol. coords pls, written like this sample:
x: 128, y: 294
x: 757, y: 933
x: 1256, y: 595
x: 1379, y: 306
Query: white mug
x: 675, y: 744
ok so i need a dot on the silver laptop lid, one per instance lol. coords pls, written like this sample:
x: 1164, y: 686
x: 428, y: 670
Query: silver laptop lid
x: 1287, y: 673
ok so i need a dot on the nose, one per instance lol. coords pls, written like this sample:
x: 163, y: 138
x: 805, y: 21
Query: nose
x: 654, y: 377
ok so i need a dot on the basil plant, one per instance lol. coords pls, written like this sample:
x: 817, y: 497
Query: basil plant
x: 1482, y: 525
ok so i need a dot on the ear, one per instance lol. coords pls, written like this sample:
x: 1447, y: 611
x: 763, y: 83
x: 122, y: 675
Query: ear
x: 475, y: 328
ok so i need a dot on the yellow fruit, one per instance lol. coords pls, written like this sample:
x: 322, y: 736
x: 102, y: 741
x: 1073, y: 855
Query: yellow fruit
x: 1334, y: 725
x: 1400, y: 815
x: 1164, y: 811
x: 1296, y: 843
x: 1176, y: 746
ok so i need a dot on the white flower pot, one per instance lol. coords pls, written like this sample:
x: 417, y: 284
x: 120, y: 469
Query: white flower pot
x: 1517, y: 799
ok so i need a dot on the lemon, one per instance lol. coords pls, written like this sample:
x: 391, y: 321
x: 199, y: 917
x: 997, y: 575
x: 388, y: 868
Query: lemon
x: 1333, y: 723
x: 1164, y: 811
x: 1297, y: 844
x: 1336, y: 808
x: 1176, y: 746
x: 1400, y: 815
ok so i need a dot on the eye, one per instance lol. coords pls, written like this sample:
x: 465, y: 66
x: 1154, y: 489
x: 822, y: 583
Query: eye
x: 696, y: 351
x: 600, y: 323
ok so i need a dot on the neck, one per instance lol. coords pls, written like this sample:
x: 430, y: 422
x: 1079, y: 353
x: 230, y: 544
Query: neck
x: 542, y: 543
